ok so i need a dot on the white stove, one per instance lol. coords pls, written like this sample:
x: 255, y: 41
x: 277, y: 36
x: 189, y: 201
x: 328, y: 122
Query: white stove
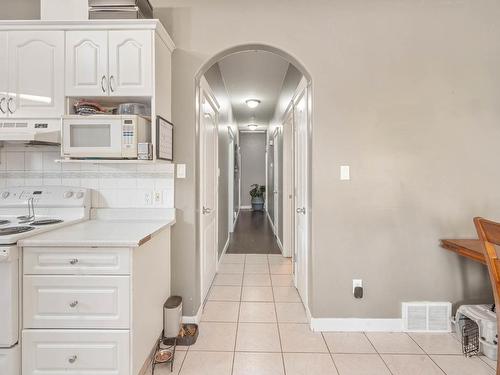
x: 24, y: 212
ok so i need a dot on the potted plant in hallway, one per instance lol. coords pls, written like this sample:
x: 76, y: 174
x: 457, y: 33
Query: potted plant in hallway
x: 257, y: 194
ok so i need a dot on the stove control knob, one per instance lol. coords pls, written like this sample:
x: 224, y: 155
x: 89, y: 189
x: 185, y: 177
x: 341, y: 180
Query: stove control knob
x: 5, y: 194
x: 79, y: 195
x: 68, y: 194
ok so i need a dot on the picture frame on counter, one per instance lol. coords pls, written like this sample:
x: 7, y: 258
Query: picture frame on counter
x: 164, y: 139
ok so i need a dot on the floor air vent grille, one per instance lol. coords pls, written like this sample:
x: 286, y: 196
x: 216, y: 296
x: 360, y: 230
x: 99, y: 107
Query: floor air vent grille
x: 427, y: 316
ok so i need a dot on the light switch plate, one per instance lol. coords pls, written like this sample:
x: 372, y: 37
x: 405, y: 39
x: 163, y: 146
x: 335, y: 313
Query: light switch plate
x: 181, y: 170
x: 345, y: 173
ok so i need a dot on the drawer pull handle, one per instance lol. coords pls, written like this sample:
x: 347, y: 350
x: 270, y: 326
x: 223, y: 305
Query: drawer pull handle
x: 73, y: 261
x: 73, y: 304
x: 72, y: 359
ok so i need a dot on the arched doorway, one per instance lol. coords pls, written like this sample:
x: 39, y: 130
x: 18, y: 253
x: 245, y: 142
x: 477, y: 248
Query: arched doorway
x: 294, y: 124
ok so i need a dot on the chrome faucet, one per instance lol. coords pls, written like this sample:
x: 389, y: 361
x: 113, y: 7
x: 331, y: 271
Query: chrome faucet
x: 31, y: 212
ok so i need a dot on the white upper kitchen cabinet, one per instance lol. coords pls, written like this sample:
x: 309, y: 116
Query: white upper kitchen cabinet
x: 87, y: 63
x: 4, y: 77
x: 130, y: 63
x: 114, y: 63
x: 36, y: 73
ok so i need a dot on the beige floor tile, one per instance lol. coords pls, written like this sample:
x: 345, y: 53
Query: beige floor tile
x: 299, y: 338
x: 278, y: 259
x: 257, y: 294
x: 231, y: 268
x: 258, y: 337
x: 256, y: 280
x: 256, y: 259
x: 410, y: 364
x: 257, y: 268
x: 286, y: 294
x: 437, y: 343
x: 233, y: 258
x: 460, y: 365
x: 282, y: 280
x: 281, y: 269
x: 289, y: 312
x: 165, y: 369
x: 228, y: 279
x: 215, y: 311
x: 216, y: 337
x: 207, y: 363
x: 489, y: 362
x: 224, y: 293
x: 393, y: 343
x: 360, y: 364
x: 309, y: 364
x: 257, y: 312
x: 348, y: 342
x: 258, y: 364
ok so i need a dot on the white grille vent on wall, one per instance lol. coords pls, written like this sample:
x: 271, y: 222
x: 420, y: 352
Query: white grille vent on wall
x: 427, y: 316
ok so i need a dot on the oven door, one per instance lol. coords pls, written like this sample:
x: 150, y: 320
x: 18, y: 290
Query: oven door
x: 92, y: 138
x: 9, y: 296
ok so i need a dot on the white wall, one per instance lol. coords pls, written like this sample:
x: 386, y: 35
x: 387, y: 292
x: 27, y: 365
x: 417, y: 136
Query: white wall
x: 113, y: 185
x: 253, y: 163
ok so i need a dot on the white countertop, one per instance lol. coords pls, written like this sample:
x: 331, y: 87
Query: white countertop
x: 107, y: 232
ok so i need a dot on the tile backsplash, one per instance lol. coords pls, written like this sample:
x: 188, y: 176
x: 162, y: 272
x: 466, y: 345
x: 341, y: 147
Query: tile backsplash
x: 113, y: 185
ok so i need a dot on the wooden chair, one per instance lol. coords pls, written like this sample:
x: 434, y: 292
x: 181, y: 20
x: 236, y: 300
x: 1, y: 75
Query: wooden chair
x: 489, y: 234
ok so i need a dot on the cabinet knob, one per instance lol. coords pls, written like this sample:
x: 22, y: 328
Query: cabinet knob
x: 73, y: 261
x: 73, y: 304
x: 72, y: 359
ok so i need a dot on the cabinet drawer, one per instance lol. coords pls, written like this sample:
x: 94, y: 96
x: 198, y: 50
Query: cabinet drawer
x: 75, y: 352
x: 76, y: 261
x: 76, y: 301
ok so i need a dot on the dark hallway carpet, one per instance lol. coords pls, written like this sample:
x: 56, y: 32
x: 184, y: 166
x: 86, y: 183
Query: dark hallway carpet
x: 253, y: 234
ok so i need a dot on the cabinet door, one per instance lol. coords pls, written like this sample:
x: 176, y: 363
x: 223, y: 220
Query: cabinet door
x: 130, y: 63
x: 36, y: 73
x: 71, y: 352
x: 87, y: 63
x: 4, y: 66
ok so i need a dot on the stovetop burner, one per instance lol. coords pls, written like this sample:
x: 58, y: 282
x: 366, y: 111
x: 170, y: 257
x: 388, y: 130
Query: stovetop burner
x: 15, y: 230
x: 46, y: 222
x: 3, y: 222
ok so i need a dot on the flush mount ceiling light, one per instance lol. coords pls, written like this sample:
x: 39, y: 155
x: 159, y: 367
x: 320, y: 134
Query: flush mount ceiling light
x: 252, y: 127
x: 252, y: 103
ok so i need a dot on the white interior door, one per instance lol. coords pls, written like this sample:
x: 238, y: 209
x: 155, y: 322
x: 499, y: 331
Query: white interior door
x: 301, y: 192
x: 288, y: 185
x: 276, y: 182
x: 36, y: 73
x: 87, y: 63
x: 208, y: 118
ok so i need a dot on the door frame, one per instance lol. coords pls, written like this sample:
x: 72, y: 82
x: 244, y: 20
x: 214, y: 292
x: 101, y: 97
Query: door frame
x: 230, y: 178
x: 203, y: 86
x: 276, y: 182
x: 299, y: 92
x: 288, y: 183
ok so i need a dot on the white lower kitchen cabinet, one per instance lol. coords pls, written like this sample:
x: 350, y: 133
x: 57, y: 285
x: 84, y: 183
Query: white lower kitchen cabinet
x: 93, y: 309
x: 75, y: 352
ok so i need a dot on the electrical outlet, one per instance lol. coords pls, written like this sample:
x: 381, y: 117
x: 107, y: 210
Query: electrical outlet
x: 355, y: 283
x: 157, y: 198
x: 148, y: 198
x: 345, y: 174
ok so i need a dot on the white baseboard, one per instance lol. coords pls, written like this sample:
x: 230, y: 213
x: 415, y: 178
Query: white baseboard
x: 223, y: 251
x: 245, y: 207
x: 193, y: 319
x: 356, y: 325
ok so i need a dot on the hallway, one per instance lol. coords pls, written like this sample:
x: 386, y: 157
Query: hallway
x: 253, y: 234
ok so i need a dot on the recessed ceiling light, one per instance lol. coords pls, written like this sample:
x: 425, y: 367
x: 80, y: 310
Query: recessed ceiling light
x: 252, y: 103
x: 252, y: 127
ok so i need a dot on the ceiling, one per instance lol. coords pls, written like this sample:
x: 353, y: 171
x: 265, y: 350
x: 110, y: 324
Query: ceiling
x: 253, y: 75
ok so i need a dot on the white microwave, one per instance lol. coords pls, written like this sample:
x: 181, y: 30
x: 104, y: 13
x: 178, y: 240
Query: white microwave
x: 104, y: 136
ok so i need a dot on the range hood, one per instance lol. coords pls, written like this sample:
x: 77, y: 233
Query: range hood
x: 30, y: 131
